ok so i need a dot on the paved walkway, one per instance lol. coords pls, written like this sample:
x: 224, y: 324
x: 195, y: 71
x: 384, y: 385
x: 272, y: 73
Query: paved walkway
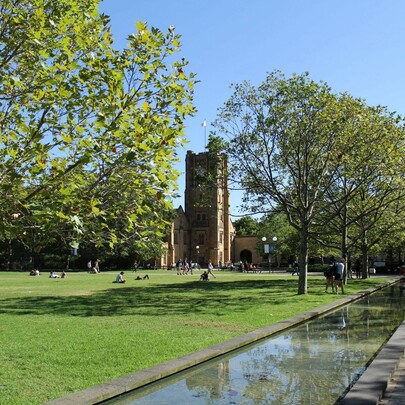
x: 395, y: 393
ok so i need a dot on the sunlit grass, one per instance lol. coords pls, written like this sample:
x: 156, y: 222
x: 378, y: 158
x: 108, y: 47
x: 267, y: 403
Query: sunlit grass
x: 62, y: 335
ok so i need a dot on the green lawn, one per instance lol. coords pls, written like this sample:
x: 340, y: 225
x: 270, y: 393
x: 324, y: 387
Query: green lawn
x: 63, y: 335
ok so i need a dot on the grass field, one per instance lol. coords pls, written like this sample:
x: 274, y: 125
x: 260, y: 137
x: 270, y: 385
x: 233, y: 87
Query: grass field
x: 58, y: 336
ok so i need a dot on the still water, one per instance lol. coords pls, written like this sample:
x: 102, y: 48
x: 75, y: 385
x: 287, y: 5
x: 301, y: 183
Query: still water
x: 313, y: 363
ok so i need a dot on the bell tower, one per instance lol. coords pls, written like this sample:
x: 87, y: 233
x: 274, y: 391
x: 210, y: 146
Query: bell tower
x: 207, y: 208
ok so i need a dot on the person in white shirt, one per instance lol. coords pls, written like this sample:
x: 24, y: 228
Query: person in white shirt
x: 120, y: 278
x: 210, y: 268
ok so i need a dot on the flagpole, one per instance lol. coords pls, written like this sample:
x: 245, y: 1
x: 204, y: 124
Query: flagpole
x: 205, y: 133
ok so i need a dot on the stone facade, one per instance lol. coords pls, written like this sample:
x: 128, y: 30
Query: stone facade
x: 246, y: 248
x: 203, y: 230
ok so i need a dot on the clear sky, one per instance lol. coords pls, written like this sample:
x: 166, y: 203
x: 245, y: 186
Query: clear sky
x: 356, y: 46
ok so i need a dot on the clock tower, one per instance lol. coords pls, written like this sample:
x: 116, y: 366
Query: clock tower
x: 207, y: 208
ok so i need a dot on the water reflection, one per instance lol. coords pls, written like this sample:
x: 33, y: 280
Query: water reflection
x: 313, y: 363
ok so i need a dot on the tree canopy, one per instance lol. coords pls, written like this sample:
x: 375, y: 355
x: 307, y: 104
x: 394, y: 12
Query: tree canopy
x: 88, y: 133
x: 291, y: 141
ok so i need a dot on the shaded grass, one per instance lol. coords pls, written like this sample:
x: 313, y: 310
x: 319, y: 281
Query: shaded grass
x: 62, y: 335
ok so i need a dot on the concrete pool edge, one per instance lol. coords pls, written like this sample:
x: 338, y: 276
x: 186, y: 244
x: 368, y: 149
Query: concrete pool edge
x: 370, y: 387
x: 130, y: 382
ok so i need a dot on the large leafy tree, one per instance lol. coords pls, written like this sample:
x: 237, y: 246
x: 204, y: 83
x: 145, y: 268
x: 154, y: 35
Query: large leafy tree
x: 283, y: 137
x: 369, y: 182
x: 316, y: 155
x: 88, y: 134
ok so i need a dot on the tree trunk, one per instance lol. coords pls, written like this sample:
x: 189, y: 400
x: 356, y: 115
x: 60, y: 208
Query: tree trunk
x: 364, y: 254
x: 303, y: 262
x: 344, y: 237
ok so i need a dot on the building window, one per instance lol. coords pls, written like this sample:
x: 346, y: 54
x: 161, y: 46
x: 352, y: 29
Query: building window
x: 176, y: 238
x: 201, y: 239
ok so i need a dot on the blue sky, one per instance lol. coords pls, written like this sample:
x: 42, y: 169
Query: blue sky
x: 356, y: 46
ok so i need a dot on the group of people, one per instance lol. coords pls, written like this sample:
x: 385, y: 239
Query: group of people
x: 245, y: 266
x: 205, y: 275
x: 121, y: 280
x: 334, y: 275
x: 184, y: 267
x: 93, y: 267
x: 52, y: 274
x: 226, y: 266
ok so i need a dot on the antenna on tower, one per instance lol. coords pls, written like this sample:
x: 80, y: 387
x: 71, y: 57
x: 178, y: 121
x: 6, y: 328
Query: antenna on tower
x: 204, y: 124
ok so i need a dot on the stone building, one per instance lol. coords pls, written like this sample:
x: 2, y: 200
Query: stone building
x: 203, y: 230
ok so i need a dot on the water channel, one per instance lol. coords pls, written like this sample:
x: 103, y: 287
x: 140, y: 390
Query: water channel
x: 313, y: 363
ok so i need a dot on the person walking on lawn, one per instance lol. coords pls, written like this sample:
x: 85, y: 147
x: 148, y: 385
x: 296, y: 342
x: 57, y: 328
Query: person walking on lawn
x: 210, y: 268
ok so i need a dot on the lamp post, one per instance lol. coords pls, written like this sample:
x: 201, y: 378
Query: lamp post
x: 266, y: 249
x: 274, y: 244
x: 198, y: 254
x: 269, y: 248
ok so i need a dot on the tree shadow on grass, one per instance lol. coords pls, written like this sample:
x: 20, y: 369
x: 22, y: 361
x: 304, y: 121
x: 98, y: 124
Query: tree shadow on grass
x: 162, y: 299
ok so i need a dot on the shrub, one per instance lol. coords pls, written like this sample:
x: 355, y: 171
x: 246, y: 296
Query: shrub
x: 318, y: 268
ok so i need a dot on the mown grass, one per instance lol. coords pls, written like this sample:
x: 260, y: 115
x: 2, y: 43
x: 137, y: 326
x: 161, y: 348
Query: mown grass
x: 58, y: 336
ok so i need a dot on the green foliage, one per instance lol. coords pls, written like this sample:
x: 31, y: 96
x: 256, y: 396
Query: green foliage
x: 54, y: 262
x: 280, y: 143
x: 83, y: 124
x: 281, y: 148
x: 294, y: 145
x: 366, y: 199
x: 246, y: 226
x: 276, y: 224
x: 319, y: 268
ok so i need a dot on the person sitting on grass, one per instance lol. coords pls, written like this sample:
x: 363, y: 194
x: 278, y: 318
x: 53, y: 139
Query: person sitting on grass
x: 120, y: 278
x: 204, y: 276
x: 142, y: 278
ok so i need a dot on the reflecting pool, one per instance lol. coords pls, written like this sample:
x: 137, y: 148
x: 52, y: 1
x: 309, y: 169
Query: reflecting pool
x: 313, y: 363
